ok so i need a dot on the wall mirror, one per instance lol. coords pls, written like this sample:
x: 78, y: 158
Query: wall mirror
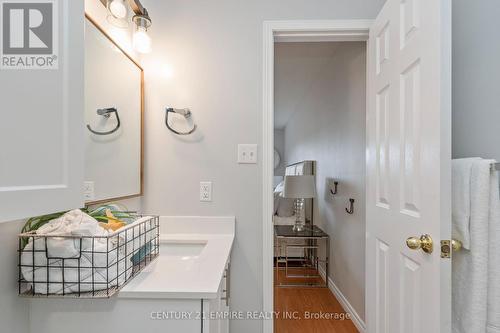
x: 114, y: 108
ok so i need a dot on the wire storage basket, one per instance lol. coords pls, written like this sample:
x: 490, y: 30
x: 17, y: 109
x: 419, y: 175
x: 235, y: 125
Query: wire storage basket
x: 86, y: 266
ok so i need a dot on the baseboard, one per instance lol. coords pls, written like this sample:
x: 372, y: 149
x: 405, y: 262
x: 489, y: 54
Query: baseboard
x: 356, y: 319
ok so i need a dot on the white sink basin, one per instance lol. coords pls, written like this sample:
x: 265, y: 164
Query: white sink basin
x: 182, y: 250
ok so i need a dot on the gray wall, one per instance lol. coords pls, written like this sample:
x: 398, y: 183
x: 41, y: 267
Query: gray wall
x: 476, y: 78
x: 14, y: 310
x: 328, y: 125
x: 279, y: 145
x: 207, y: 55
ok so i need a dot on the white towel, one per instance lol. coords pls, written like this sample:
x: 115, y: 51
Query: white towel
x: 493, y: 323
x: 74, y: 223
x: 461, y: 178
x: 470, y: 267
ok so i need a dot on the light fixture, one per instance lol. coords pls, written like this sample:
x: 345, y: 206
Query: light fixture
x: 118, y: 17
x: 141, y: 40
x: 117, y: 8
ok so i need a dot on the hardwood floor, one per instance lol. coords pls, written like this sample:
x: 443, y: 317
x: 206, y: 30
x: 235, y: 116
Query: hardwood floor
x: 302, y: 304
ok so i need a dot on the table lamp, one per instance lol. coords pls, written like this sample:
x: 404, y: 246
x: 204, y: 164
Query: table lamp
x: 299, y: 188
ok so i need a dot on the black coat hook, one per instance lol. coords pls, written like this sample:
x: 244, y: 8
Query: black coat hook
x: 335, y: 184
x: 351, y: 207
x: 107, y: 113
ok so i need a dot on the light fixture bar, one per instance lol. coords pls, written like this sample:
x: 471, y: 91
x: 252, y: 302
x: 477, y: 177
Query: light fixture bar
x: 137, y: 7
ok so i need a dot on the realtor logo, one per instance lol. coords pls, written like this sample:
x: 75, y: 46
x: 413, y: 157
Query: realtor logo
x: 29, y: 34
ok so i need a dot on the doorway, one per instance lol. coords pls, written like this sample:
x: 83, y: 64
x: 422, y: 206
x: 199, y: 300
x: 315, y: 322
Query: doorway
x: 408, y: 160
x: 276, y: 33
x: 319, y: 132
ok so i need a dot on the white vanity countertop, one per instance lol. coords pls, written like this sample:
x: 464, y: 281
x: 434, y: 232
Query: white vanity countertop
x: 196, y: 275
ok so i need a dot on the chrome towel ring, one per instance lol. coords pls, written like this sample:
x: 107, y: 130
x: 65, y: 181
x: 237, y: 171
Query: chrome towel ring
x: 186, y: 113
x: 106, y: 113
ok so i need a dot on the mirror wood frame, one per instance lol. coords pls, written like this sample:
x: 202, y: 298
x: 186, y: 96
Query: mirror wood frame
x: 141, y: 191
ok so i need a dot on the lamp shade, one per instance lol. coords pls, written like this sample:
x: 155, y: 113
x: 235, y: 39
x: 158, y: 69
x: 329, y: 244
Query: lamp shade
x: 299, y: 187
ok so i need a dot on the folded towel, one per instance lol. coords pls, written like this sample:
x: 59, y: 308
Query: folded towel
x: 461, y: 177
x: 470, y: 267
x: 80, y: 274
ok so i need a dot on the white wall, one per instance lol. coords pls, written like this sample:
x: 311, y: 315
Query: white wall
x: 207, y: 55
x: 476, y: 78
x: 328, y: 125
x: 279, y: 145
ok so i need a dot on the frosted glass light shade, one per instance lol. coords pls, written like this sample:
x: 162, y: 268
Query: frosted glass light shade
x: 117, y: 8
x: 302, y: 187
x: 142, y: 41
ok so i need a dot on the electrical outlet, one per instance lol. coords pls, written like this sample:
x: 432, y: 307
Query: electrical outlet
x: 88, y: 191
x: 206, y: 191
x: 247, y: 153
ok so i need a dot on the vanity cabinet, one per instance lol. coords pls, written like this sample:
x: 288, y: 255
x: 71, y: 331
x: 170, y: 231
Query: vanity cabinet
x: 216, y: 311
x: 185, y: 289
x: 133, y: 315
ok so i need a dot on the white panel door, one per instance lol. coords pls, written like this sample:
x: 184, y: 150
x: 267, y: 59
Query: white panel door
x: 41, y: 124
x: 408, y: 166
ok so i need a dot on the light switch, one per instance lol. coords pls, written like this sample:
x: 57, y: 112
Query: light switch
x: 88, y: 191
x: 206, y: 191
x: 247, y: 153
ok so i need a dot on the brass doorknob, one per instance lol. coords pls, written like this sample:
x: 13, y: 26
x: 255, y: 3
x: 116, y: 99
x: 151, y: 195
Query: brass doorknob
x: 456, y: 245
x: 424, y: 242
